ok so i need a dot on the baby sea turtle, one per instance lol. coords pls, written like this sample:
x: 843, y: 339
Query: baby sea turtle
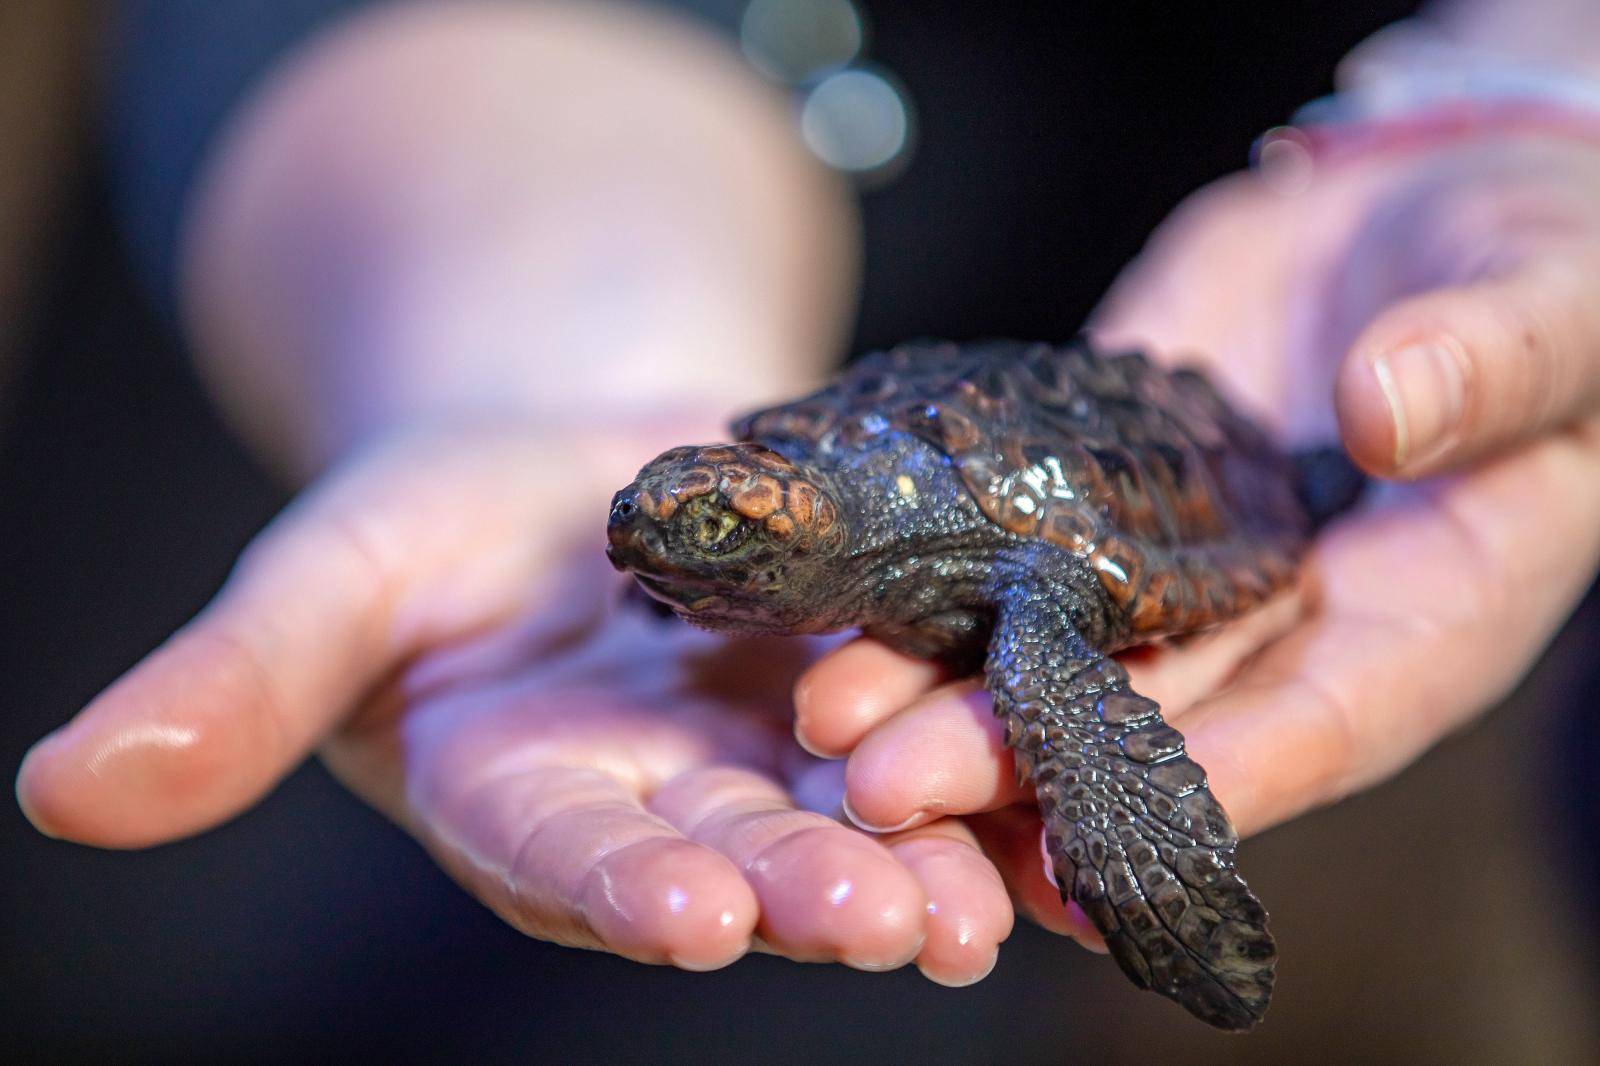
x: 1033, y: 509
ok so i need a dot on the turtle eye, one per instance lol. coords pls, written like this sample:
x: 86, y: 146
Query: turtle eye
x: 712, y: 530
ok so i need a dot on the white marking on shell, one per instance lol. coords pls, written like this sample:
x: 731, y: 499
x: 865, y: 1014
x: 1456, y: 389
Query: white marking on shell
x: 1036, y: 479
x: 1060, y: 487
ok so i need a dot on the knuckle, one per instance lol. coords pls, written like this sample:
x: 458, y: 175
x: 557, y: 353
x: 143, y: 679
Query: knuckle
x: 1530, y: 350
x: 233, y: 669
x: 358, y: 552
x: 1339, y: 739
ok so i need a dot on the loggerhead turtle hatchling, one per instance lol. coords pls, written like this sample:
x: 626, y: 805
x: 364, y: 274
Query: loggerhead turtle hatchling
x: 1034, y: 509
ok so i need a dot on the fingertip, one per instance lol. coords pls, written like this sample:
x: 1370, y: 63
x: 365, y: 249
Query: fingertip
x: 32, y: 790
x: 874, y: 799
x: 1014, y: 840
x: 668, y: 900
x: 1447, y: 375
x: 960, y: 977
x: 866, y: 825
x: 104, y: 788
x: 847, y: 692
x: 1087, y: 936
x: 802, y: 737
x: 1366, y: 400
x: 116, y: 791
x: 945, y: 754
x: 159, y: 755
x: 826, y: 893
x: 969, y: 913
x: 833, y: 895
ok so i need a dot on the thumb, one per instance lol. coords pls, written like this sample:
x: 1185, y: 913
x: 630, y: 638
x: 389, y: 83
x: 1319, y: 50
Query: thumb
x: 1442, y: 378
x: 423, y: 539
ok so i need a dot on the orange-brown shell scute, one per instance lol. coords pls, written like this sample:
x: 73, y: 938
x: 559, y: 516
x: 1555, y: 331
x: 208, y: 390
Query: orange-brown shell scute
x: 695, y: 481
x: 802, y: 502
x: 1182, y: 508
x: 752, y: 481
x: 824, y: 515
x: 757, y: 496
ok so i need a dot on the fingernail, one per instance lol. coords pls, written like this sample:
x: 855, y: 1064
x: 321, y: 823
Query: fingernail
x: 962, y: 982
x: 696, y: 966
x: 1425, y: 388
x: 805, y: 745
x: 916, y: 818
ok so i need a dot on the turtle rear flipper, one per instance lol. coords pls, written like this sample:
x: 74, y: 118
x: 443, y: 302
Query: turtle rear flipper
x: 1132, y: 831
x: 1328, y: 483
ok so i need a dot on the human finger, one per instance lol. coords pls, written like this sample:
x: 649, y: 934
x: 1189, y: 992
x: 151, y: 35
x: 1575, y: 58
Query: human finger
x: 969, y: 910
x: 847, y: 692
x: 1444, y: 377
x: 569, y: 854
x: 423, y: 539
x: 827, y: 893
x: 945, y: 754
x: 1433, y: 608
x: 1013, y: 839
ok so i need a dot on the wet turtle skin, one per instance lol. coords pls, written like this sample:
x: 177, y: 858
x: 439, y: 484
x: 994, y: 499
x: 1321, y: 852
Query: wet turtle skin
x: 1031, y: 509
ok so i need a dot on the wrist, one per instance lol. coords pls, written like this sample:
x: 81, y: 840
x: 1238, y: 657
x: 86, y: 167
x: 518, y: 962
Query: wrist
x: 1550, y: 33
x: 435, y: 339
x: 579, y: 210
x: 616, y: 433
x: 676, y: 345
x: 485, y: 465
x: 1412, y: 88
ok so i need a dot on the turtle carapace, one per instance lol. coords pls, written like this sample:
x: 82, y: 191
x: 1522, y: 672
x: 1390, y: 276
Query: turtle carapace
x: 1031, y: 509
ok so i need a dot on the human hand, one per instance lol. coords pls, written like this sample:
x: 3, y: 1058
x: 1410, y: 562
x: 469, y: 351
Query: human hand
x: 1447, y: 302
x: 596, y: 777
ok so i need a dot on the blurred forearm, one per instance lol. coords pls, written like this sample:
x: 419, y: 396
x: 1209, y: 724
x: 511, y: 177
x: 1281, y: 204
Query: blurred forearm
x: 577, y: 213
x: 1565, y: 32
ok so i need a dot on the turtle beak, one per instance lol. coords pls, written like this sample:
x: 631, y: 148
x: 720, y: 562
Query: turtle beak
x: 633, y: 541
x: 635, y: 546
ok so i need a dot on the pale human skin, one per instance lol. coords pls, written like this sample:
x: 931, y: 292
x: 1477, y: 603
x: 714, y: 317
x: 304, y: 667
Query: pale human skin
x: 518, y: 299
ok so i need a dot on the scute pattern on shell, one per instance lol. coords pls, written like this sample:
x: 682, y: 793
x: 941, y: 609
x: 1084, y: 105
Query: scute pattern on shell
x: 1182, y: 508
x: 755, y: 482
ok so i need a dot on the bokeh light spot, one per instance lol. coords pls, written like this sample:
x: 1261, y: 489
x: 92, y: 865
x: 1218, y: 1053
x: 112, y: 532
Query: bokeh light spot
x: 797, y: 40
x: 856, y: 120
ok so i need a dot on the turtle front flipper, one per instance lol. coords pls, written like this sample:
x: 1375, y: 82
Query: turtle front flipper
x: 1132, y: 830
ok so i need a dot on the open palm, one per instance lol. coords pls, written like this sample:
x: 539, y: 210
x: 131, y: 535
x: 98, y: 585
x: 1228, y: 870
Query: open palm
x: 1418, y: 611
x: 453, y: 643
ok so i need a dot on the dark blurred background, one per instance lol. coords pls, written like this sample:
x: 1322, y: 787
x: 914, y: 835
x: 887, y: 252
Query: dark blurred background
x: 1446, y: 917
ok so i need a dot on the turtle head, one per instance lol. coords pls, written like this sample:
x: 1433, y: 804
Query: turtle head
x: 732, y: 537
